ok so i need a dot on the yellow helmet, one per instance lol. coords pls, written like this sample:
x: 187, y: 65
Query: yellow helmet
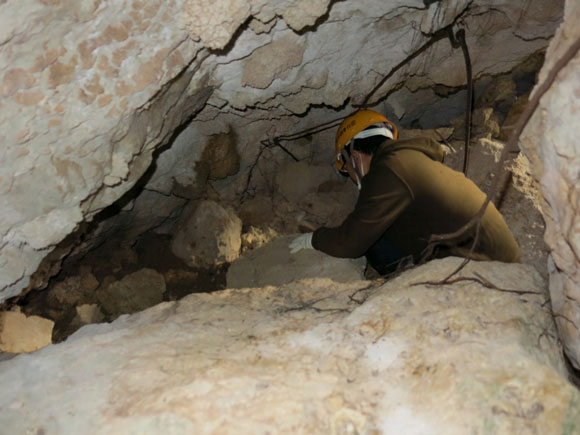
x: 353, y: 125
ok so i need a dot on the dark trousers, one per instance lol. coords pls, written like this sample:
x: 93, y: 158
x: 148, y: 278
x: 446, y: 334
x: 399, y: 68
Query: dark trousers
x: 384, y: 256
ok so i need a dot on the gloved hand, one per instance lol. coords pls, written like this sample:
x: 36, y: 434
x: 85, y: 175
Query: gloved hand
x: 303, y: 241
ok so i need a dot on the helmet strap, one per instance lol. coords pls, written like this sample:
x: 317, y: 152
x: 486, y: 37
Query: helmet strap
x: 358, y: 185
x: 357, y: 172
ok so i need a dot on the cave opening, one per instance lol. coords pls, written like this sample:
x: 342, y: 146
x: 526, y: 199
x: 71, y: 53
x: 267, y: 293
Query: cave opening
x: 161, y: 157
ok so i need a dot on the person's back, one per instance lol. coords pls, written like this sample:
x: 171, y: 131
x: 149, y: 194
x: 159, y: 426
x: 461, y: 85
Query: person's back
x: 406, y: 196
x: 443, y: 200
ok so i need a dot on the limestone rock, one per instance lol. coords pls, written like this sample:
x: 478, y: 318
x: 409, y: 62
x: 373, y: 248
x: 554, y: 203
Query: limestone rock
x: 214, y: 22
x: 272, y: 264
x: 255, y: 237
x: 304, y: 13
x: 74, y: 289
x: 553, y: 150
x: 178, y: 164
x: 84, y: 314
x: 19, y: 333
x: 87, y: 94
x: 221, y: 156
x: 89, y: 313
x: 207, y: 234
x: 314, y: 356
x: 265, y: 64
x: 133, y: 293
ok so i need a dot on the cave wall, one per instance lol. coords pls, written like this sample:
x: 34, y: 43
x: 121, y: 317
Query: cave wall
x: 77, y: 122
x: 92, y: 92
x: 552, y: 142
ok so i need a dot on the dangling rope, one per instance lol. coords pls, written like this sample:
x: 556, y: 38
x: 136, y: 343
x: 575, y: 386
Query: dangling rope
x: 458, y: 40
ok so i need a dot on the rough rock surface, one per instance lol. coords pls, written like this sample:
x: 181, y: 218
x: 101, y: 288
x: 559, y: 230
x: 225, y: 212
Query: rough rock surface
x: 273, y: 264
x: 554, y: 152
x: 74, y: 289
x: 133, y: 293
x: 89, y: 91
x: 21, y: 333
x: 89, y: 313
x: 207, y: 234
x: 307, y: 358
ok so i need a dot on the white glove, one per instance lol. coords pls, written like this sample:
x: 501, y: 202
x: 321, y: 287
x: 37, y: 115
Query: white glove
x: 303, y: 241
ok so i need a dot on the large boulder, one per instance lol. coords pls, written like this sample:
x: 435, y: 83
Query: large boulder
x: 273, y: 264
x: 313, y: 356
x: 207, y: 235
x: 135, y: 292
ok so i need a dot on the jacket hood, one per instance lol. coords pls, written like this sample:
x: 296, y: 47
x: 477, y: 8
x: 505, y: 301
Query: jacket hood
x: 426, y: 145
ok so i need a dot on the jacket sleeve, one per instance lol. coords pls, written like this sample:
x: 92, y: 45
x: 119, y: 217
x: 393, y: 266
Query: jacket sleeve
x: 383, y: 197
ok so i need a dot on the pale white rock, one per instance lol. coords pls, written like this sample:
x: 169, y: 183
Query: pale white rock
x: 207, y: 234
x: 72, y: 79
x: 270, y: 61
x: 20, y: 333
x: 313, y: 356
x: 304, y: 13
x: 552, y: 144
x: 49, y: 229
x: 177, y: 163
x: 214, y: 22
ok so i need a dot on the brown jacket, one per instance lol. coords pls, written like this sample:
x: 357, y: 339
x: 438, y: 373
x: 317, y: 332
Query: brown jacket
x: 407, y: 196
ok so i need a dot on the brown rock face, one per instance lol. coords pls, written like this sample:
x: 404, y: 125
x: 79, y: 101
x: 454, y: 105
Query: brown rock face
x: 207, y: 235
x: 133, y: 293
x: 221, y: 156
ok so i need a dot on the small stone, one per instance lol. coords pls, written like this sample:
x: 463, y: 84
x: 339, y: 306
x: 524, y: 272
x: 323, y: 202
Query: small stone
x: 207, y: 235
x: 19, y: 333
x: 89, y: 313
